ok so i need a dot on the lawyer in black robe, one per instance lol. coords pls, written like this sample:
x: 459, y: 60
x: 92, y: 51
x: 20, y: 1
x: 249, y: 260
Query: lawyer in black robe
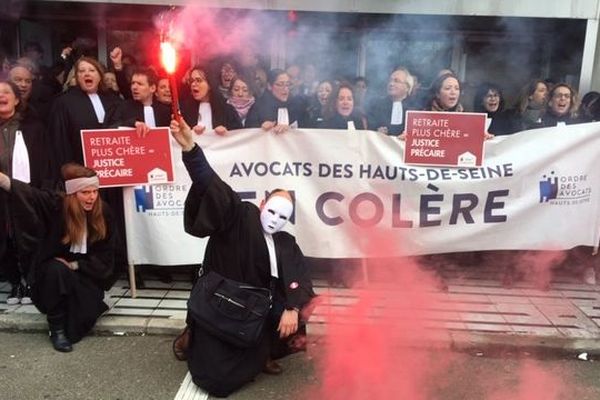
x: 131, y: 111
x: 223, y: 114
x: 267, y: 106
x: 73, y: 111
x: 73, y: 298
x: 26, y: 154
x: 237, y: 250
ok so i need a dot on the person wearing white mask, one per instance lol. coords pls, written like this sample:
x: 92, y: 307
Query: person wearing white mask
x: 246, y: 244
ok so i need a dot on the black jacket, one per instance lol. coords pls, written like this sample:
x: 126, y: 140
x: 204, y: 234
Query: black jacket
x: 222, y: 113
x: 266, y: 109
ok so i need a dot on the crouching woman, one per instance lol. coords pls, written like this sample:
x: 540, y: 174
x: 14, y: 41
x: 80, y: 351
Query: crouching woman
x: 67, y: 240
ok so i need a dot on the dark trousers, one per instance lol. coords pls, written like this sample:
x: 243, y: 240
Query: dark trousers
x: 9, y: 263
x: 69, y: 299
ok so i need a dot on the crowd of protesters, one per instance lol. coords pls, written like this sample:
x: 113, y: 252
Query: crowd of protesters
x: 42, y: 111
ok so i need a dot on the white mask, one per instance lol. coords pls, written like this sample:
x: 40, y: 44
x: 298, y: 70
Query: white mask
x: 275, y: 213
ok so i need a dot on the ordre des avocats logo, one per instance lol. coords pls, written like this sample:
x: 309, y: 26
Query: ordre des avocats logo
x: 160, y: 198
x: 565, y: 189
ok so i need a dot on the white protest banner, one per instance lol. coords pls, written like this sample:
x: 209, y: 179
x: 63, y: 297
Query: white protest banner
x: 356, y: 198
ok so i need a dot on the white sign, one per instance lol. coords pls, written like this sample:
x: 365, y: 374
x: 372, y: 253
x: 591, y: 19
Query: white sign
x: 356, y: 198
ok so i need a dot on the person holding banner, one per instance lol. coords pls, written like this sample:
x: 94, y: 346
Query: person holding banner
x: 84, y: 106
x: 143, y: 111
x: 22, y: 157
x: 246, y: 244
x: 445, y: 94
x: 489, y: 99
x: 562, y: 107
x: 388, y: 114
x: 68, y: 238
x: 206, y: 111
x: 340, y: 113
x: 277, y: 109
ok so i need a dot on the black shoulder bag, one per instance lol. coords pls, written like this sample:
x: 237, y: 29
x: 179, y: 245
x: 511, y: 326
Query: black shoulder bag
x: 230, y: 310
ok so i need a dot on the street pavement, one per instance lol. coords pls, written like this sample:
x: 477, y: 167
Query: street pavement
x: 475, y: 315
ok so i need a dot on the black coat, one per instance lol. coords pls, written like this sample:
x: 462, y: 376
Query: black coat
x: 222, y: 113
x: 267, y: 106
x: 380, y: 115
x: 33, y: 134
x: 502, y: 123
x: 338, y: 121
x: 73, y: 111
x: 39, y: 228
x: 131, y: 111
x: 550, y: 119
x: 237, y: 250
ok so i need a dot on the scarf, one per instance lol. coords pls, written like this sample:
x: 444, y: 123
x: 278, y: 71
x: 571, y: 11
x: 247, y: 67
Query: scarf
x: 241, y: 105
x: 435, y: 106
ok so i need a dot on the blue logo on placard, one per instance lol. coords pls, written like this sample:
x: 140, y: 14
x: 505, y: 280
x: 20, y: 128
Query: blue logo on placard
x: 548, y: 188
x: 144, y: 199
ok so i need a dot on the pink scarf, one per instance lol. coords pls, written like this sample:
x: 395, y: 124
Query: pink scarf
x: 241, y: 105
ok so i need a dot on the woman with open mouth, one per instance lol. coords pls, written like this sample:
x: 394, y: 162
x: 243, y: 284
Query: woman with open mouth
x: 22, y: 156
x: 70, y: 248
x: 85, y: 106
x: 563, y: 106
x: 277, y: 109
x: 206, y: 111
x: 340, y: 113
x: 445, y: 94
x: 490, y: 100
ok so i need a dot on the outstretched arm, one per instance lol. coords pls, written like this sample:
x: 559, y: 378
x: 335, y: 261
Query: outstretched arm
x: 193, y: 157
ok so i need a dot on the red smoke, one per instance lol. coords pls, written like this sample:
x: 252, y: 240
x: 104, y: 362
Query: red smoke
x: 377, y: 334
x: 371, y: 346
x: 207, y: 32
x: 535, y: 383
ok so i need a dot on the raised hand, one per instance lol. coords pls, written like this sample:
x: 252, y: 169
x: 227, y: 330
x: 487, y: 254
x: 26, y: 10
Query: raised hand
x: 182, y: 133
x: 116, y: 56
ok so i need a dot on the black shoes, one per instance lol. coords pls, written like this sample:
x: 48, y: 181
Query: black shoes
x: 272, y: 368
x: 59, y: 341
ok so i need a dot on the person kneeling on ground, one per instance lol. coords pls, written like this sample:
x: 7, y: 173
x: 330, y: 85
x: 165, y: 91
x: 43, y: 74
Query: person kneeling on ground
x: 68, y: 242
x: 246, y: 245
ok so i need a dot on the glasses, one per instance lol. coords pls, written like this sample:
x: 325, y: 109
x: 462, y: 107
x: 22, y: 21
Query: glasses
x: 282, y: 85
x: 399, y: 82
x: 561, y: 96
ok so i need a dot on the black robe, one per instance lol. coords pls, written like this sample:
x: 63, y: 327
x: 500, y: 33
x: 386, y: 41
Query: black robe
x: 550, y: 119
x: 73, y: 111
x: 266, y: 109
x: 338, y: 121
x: 39, y: 228
x: 380, y: 115
x: 130, y: 111
x: 222, y: 113
x: 34, y: 137
x: 237, y: 250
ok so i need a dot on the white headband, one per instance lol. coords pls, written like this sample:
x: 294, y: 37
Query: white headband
x: 77, y: 184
